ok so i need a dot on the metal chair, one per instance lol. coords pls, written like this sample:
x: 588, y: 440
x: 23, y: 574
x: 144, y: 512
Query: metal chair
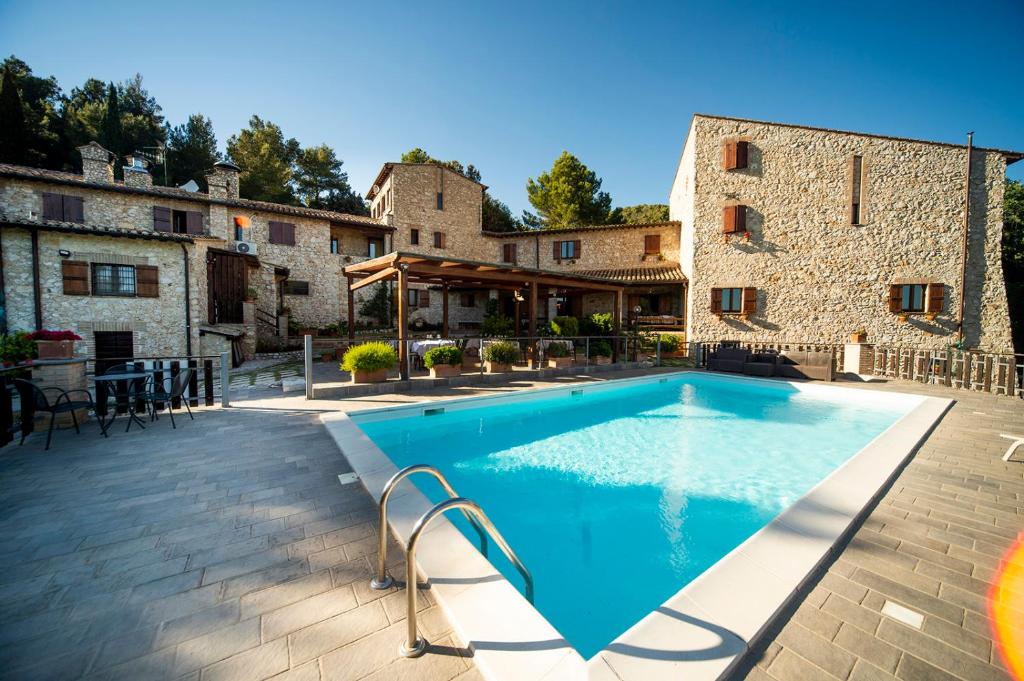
x: 176, y: 391
x: 35, y: 398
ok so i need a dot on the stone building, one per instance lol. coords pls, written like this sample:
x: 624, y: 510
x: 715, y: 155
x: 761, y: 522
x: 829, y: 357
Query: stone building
x: 794, y: 233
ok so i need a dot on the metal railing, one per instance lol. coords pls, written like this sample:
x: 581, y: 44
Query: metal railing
x: 989, y: 372
x: 701, y: 352
x: 382, y: 580
x: 414, y: 645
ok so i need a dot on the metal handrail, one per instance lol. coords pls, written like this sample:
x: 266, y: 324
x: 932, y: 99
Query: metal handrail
x: 382, y: 580
x: 414, y: 646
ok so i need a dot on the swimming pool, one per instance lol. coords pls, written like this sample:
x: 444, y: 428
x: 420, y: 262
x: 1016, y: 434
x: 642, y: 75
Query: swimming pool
x: 618, y: 496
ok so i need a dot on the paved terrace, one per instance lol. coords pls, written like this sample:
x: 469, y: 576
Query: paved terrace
x: 228, y: 550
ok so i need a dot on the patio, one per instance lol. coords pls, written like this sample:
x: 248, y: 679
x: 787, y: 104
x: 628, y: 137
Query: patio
x: 229, y: 550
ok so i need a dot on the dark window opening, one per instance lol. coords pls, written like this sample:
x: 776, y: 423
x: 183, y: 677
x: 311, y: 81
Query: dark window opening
x: 179, y: 222
x: 439, y: 240
x: 440, y: 200
x: 334, y: 245
x: 414, y: 237
x: 413, y: 298
x: 374, y: 248
x: 113, y: 280
x: 508, y: 253
x: 296, y: 288
x: 467, y: 300
x: 112, y: 347
x: 856, y: 189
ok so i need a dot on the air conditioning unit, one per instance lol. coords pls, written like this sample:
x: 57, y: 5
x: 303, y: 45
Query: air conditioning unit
x: 246, y: 247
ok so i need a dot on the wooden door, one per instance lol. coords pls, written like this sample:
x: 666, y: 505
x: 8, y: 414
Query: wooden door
x: 226, y: 284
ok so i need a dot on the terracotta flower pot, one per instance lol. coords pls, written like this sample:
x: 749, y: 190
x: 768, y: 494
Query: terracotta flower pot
x: 493, y: 368
x: 378, y: 376
x: 64, y: 349
x: 559, y: 362
x: 444, y: 371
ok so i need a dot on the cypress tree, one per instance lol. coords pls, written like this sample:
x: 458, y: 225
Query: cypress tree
x: 111, y: 132
x: 13, y: 128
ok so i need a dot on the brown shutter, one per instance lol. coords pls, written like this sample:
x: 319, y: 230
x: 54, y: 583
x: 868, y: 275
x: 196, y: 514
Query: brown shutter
x: 895, y: 298
x: 147, y: 281
x: 194, y: 222
x: 275, y: 232
x: 74, y: 209
x: 423, y: 299
x: 161, y: 219
x: 749, y: 301
x: 936, y: 298
x: 556, y: 251
x: 53, y: 207
x: 652, y: 244
x: 716, y: 301
x: 287, y: 233
x: 734, y: 219
x: 444, y: 240
x: 728, y: 155
x: 76, y: 277
x: 577, y: 248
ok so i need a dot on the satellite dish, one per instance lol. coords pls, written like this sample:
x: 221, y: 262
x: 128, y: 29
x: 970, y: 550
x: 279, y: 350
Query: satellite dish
x: 190, y: 186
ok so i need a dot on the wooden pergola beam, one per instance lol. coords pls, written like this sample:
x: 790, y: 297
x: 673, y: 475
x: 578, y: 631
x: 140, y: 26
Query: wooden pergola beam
x: 373, y: 278
x: 499, y: 275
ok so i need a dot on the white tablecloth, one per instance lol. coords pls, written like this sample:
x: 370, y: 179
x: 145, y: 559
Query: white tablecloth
x: 420, y: 347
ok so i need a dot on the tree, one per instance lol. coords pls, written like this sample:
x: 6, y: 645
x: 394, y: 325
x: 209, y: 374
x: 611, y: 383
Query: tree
x: 1013, y: 257
x: 141, y: 120
x: 496, y: 216
x: 378, y: 306
x: 568, y: 196
x: 44, y: 143
x: 266, y: 159
x: 84, y: 112
x: 640, y: 214
x: 320, y: 183
x: 14, y: 138
x: 191, y: 151
x: 111, y: 129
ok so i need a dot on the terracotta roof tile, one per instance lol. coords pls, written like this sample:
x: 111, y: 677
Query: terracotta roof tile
x: 581, y: 228
x: 663, y: 273
x: 76, y: 228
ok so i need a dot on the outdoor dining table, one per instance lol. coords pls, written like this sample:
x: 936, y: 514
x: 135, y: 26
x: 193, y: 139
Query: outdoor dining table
x: 102, y: 389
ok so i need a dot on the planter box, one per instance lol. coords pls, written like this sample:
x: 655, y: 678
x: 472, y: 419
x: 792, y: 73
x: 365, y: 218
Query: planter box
x: 493, y: 368
x: 379, y: 376
x: 444, y: 371
x: 602, y: 361
x: 64, y: 349
x: 559, y: 362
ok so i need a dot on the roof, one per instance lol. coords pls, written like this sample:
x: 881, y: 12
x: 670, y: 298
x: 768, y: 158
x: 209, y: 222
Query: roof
x: 664, y: 273
x: 1011, y: 156
x: 73, y: 179
x: 389, y: 166
x: 582, y: 228
x: 76, y: 228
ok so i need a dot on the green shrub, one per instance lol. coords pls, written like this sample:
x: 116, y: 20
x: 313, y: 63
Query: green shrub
x: 502, y: 352
x: 369, y: 357
x: 16, y: 348
x: 557, y: 350
x: 565, y: 326
x: 597, y: 324
x: 669, y: 342
x: 600, y: 348
x: 496, y: 326
x: 445, y: 354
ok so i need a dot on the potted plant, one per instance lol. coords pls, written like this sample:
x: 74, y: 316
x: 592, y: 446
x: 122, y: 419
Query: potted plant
x: 500, y: 356
x: 859, y: 336
x: 600, y: 352
x: 17, y: 348
x: 369, y: 362
x: 251, y: 295
x: 558, y: 356
x: 55, y: 344
x: 444, y: 361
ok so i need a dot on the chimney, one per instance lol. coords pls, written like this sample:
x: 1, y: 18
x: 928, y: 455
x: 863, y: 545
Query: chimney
x: 222, y: 181
x: 135, y: 172
x: 97, y: 163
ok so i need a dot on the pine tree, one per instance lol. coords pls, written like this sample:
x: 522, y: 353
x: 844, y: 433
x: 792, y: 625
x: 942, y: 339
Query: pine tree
x: 14, y: 141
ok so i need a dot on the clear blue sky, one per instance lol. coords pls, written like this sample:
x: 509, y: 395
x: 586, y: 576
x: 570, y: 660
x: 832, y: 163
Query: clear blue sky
x: 507, y: 86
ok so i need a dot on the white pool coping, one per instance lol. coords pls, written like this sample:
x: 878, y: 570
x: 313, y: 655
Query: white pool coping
x: 703, y: 631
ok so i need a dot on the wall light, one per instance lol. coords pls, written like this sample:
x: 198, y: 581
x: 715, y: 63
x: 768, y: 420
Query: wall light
x: 64, y: 253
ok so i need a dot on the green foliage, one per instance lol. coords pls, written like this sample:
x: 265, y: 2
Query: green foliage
x: 640, y: 214
x: 1013, y: 258
x: 557, y: 350
x: 42, y: 140
x: 565, y: 326
x: 191, y: 151
x: 379, y: 305
x: 266, y: 159
x: 13, y: 126
x: 16, y: 348
x: 669, y: 342
x: 496, y: 216
x: 418, y: 155
x: 111, y: 129
x: 568, y: 196
x: 320, y: 183
x: 142, y: 124
x: 495, y: 324
x: 502, y: 352
x: 600, y: 348
x: 369, y: 357
x: 597, y: 324
x: 445, y: 354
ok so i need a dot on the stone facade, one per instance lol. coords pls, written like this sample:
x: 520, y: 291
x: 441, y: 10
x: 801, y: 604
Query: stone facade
x: 819, y: 277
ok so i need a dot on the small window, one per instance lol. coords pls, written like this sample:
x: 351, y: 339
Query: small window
x: 856, y: 189
x: 508, y: 253
x: 113, y: 280
x: 567, y: 250
x: 413, y: 297
x: 732, y: 300
x: 63, y: 207
x: 439, y: 240
x: 335, y: 248
x: 908, y: 298
x: 282, y: 233
x: 734, y: 155
x: 741, y: 301
x: 652, y: 244
x: 296, y: 288
x: 414, y: 237
x: 440, y: 200
x: 374, y: 247
x: 467, y: 300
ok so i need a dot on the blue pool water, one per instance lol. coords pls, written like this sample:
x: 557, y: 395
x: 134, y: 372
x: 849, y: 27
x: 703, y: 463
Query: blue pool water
x: 617, y: 498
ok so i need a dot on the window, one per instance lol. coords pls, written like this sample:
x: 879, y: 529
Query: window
x: 63, y: 207
x: 440, y: 200
x: 282, y: 233
x: 467, y: 300
x: 293, y: 287
x: 734, y: 301
x: 734, y: 155
x: 652, y: 244
x: 185, y: 221
x: 414, y: 237
x: 566, y: 250
x: 112, y: 347
x: 508, y: 253
x: 439, y: 240
x: 734, y: 219
x: 335, y: 248
x: 917, y: 298
x: 856, y: 189
x: 113, y: 280
x: 374, y: 247
x: 413, y: 297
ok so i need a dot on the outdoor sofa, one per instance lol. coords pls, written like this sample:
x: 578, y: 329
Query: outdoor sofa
x: 807, y: 364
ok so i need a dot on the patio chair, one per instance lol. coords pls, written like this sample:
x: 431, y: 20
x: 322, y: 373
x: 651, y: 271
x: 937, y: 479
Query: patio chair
x: 133, y: 391
x: 168, y: 390
x: 34, y: 396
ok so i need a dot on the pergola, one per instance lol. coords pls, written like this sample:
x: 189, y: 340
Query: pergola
x: 407, y: 268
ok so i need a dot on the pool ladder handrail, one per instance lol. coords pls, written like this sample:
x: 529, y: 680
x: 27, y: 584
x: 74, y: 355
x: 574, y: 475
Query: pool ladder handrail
x: 414, y: 645
x: 382, y: 580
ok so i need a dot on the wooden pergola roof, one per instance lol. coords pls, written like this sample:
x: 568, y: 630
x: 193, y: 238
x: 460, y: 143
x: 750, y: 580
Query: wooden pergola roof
x: 427, y: 269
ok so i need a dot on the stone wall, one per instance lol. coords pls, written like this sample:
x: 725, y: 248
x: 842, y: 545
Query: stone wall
x: 819, y: 277
x: 601, y: 248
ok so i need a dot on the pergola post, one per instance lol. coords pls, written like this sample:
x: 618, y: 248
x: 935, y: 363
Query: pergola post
x: 444, y: 310
x: 532, y: 324
x: 403, y: 321
x: 518, y: 321
x: 351, y: 308
x: 616, y: 324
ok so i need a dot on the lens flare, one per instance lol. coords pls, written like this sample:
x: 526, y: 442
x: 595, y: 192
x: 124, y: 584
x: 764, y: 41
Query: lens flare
x: 1006, y: 609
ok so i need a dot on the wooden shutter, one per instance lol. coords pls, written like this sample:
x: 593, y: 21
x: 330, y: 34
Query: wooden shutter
x: 895, y: 298
x: 74, y: 209
x: 734, y: 219
x: 275, y: 232
x: 444, y: 240
x: 287, y: 234
x: 716, y: 301
x: 556, y: 251
x: 652, y: 244
x: 161, y: 219
x: 423, y: 299
x: 194, y: 222
x: 936, y: 298
x: 76, y: 277
x: 147, y: 281
x: 749, y: 301
x: 734, y: 155
x: 577, y: 248
x: 53, y: 207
